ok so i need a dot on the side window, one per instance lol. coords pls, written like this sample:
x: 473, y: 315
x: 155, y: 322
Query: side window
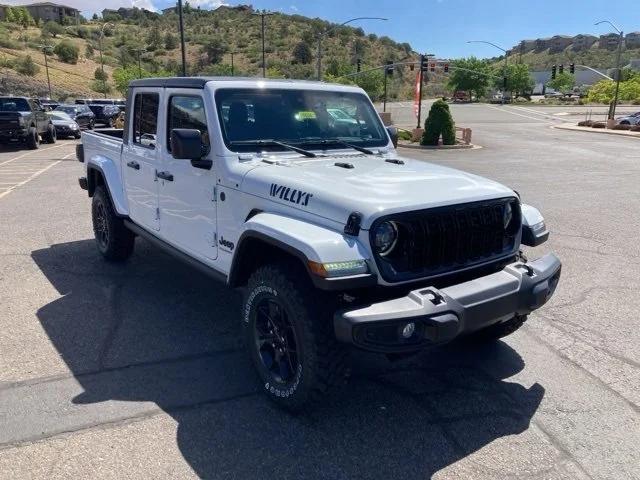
x: 187, y: 112
x: 145, y: 119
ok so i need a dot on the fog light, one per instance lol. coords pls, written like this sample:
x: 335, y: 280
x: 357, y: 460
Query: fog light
x: 408, y: 330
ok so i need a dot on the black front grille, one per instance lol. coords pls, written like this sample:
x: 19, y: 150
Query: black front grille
x: 445, y: 240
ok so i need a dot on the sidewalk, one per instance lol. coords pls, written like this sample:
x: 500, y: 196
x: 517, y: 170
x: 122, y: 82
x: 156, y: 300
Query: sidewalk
x: 571, y: 126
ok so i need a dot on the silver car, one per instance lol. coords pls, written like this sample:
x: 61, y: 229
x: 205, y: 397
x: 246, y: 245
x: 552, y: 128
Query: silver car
x: 633, y: 119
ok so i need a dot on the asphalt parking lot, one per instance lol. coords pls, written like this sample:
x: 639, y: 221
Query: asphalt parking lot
x: 137, y: 371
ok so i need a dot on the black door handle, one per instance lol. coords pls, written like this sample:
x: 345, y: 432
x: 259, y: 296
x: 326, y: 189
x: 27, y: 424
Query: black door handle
x: 165, y: 176
x: 134, y: 165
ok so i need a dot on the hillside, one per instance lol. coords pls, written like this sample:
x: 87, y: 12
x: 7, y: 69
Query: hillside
x: 211, y: 36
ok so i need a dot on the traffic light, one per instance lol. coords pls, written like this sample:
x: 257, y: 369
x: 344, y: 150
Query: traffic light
x: 553, y: 72
x: 388, y: 69
x: 572, y: 68
x: 412, y: 67
x: 424, y: 63
x: 432, y: 67
x: 446, y: 68
x: 358, y: 65
x: 561, y: 69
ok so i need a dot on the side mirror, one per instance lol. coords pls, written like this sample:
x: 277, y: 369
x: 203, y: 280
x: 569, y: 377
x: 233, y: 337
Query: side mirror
x: 186, y: 144
x: 393, y: 133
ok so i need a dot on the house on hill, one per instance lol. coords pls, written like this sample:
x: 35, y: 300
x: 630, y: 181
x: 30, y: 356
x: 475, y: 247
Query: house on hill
x: 583, y: 42
x: 48, y: 11
x: 3, y: 12
x: 559, y: 42
x: 609, y: 41
x: 632, y: 40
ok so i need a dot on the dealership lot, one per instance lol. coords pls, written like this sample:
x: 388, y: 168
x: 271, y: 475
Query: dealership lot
x: 138, y: 371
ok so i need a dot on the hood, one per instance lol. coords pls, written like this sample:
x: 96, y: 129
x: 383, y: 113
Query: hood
x: 370, y: 185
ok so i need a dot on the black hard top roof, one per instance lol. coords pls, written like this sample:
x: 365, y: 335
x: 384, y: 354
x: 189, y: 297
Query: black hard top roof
x: 200, y: 82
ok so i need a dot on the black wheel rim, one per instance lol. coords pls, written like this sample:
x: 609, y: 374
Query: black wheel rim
x: 276, y: 340
x: 101, y: 227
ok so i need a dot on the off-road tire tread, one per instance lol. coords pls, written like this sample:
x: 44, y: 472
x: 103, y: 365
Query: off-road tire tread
x: 121, y: 239
x: 50, y: 136
x: 311, y: 307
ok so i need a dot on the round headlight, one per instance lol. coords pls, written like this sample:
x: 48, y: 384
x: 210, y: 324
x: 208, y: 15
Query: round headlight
x: 385, y: 238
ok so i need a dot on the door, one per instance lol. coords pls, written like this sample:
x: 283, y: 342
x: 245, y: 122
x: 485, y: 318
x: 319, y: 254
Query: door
x: 187, y: 202
x: 82, y: 118
x: 41, y: 118
x: 140, y: 159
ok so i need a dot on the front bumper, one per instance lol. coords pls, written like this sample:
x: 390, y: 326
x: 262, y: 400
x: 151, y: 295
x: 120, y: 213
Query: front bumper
x: 441, y: 315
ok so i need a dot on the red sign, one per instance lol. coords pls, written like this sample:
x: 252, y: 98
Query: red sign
x: 416, y: 101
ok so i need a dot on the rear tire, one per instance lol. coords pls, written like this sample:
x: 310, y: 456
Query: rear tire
x: 287, y: 328
x: 50, y: 136
x: 114, y: 240
x: 77, y: 136
x: 33, y: 139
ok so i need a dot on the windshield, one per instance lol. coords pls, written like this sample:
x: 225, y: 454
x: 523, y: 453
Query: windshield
x: 60, y: 116
x: 69, y: 110
x: 298, y: 117
x: 14, y: 105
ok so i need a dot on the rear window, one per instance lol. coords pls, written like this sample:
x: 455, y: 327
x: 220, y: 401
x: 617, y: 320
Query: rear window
x: 145, y: 119
x: 14, y: 105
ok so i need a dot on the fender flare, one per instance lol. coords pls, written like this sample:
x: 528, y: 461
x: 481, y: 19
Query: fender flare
x: 306, y: 242
x: 112, y: 181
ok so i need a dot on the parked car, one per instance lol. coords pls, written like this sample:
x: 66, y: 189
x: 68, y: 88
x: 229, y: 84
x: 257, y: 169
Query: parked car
x: 25, y: 120
x: 633, y: 119
x: 64, y: 124
x: 461, y: 96
x: 81, y: 114
x: 337, y: 241
x: 105, y: 114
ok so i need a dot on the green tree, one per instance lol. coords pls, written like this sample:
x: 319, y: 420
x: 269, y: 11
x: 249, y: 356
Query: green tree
x: 88, y: 51
x: 154, y: 38
x: 372, y: 83
x: 214, y: 50
x: 52, y: 28
x: 123, y: 75
x: 67, y: 52
x: 438, y: 124
x: 519, y: 78
x: 470, y: 75
x: 26, y: 66
x: 604, y: 91
x: 302, y: 53
x: 563, y: 82
x: 99, y: 74
x: 170, y: 41
x: 20, y: 15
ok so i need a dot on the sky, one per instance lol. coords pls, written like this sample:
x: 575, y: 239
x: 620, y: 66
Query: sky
x: 441, y: 27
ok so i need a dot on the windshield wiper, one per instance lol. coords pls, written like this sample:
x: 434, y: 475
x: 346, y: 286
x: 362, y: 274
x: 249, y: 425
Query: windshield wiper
x: 304, y: 152
x: 337, y: 141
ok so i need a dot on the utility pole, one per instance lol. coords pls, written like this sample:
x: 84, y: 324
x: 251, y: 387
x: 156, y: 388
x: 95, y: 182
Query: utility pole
x: 263, y: 14
x: 46, y: 65
x: 100, y: 40
x: 504, y: 75
x: 232, y: 69
x: 139, y: 51
x: 612, y: 109
x: 423, y: 64
x: 182, y: 49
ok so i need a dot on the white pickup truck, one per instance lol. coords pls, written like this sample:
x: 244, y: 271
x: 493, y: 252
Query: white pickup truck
x: 294, y: 191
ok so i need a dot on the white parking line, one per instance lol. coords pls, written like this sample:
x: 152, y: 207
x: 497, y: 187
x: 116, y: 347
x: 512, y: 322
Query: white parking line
x: 507, y: 110
x: 30, y: 152
x: 8, y: 190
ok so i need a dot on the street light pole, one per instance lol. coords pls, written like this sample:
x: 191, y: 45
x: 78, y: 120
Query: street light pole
x: 263, y: 14
x: 100, y: 40
x: 182, y: 48
x: 321, y: 35
x: 46, y: 65
x: 504, y: 75
x: 232, y: 69
x: 612, y: 110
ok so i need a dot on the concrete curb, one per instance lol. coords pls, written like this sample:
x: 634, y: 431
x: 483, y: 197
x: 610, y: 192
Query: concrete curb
x: 417, y: 146
x: 575, y: 128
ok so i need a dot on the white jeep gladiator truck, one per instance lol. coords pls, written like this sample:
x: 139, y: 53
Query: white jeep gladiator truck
x: 294, y: 191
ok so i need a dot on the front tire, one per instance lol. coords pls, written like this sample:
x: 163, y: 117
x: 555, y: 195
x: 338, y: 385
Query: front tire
x: 33, y: 139
x: 287, y: 330
x: 50, y: 136
x: 114, y: 240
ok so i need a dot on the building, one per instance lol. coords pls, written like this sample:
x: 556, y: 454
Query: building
x: 583, y: 42
x: 558, y: 43
x: 46, y: 11
x: 609, y: 41
x: 128, y: 13
x: 542, y: 44
x: 632, y: 40
x: 3, y: 12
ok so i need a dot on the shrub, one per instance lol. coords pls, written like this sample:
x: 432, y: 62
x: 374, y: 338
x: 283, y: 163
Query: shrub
x: 26, y: 66
x: 585, y: 123
x: 67, y: 52
x: 599, y: 125
x: 621, y: 127
x: 404, y: 135
x: 52, y: 28
x: 439, y: 123
x: 635, y: 128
